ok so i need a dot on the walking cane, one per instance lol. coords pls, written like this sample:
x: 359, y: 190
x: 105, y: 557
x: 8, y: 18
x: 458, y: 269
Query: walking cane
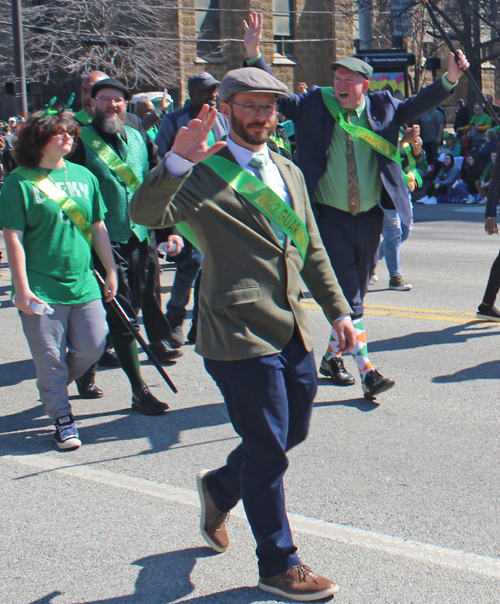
x: 467, y: 74
x: 131, y: 327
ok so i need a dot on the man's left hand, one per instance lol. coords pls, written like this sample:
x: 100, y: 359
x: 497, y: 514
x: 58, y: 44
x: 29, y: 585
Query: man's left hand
x: 456, y: 68
x: 346, y: 334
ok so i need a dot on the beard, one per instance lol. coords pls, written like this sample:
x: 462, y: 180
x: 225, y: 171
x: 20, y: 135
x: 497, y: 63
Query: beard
x: 110, y: 125
x: 253, y: 138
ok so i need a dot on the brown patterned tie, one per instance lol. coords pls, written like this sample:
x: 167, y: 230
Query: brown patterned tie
x: 352, y: 171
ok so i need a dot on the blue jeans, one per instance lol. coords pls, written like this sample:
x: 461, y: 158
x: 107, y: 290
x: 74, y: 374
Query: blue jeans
x: 394, y: 233
x: 188, y: 264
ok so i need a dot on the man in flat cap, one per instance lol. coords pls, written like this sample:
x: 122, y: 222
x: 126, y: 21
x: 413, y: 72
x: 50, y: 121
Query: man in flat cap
x: 118, y: 155
x: 248, y: 210
x: 347, y: 142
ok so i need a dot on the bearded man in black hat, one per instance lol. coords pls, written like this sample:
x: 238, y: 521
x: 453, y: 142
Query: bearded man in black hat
x: 117, y: 153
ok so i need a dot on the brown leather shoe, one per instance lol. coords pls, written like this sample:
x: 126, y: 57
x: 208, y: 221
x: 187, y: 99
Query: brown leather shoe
x: 213, y: 521
x: 299, y: 583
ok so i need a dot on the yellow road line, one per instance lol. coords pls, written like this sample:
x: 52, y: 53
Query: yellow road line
x: 422, y: 314
x: 429, y: 310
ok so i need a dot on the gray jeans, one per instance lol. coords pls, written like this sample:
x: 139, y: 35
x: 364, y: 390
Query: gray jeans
x: 64, y: 345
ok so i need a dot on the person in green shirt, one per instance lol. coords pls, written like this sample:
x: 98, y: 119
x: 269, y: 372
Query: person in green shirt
x: 54, y: 287
x: 483, y: 183
x: 479, y: 123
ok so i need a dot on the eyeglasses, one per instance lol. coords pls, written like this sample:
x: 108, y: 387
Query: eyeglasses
x: 107, y: 101
x: 62, y: 133
x: 252, y: 109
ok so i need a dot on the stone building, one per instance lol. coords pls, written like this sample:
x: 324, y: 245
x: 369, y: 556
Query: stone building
x: 300, y: 40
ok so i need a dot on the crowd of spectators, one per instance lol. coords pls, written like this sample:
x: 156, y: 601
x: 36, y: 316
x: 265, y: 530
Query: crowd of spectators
x: 458, y: 163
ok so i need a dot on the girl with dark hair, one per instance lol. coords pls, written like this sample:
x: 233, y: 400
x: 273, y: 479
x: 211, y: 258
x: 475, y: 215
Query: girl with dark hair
x: 51, y: 213
x: 446, y: 178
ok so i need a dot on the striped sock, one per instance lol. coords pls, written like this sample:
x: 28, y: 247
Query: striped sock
x: 360, y: 351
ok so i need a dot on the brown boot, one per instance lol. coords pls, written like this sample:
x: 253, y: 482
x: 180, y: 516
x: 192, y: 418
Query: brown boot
x: 213, y: 521
x: 86, y: 384
x: 299, y: 583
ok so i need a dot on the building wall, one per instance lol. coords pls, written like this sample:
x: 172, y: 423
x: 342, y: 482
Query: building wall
x: 310, y: 61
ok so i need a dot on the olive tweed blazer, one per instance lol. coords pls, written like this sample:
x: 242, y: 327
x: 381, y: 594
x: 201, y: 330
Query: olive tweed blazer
x: 250, y: 286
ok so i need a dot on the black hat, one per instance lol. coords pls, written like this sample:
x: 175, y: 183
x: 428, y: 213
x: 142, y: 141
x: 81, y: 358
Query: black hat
x: 202, y: 81
x: 110, y: 83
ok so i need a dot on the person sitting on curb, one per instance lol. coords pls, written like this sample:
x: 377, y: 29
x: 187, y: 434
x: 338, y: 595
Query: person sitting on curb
x: 447, y: 177
x: 482, y: 185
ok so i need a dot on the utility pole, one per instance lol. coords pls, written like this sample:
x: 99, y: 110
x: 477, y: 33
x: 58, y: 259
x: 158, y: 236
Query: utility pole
x: 365, y: 24
x: 20, y: 79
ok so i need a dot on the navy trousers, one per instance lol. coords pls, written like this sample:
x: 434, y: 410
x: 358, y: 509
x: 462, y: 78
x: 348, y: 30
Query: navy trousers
x: 351, y: 243
x: 269, y: 400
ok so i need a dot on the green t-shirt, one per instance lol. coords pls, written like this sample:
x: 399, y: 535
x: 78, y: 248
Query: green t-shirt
x: 480, y: 120
x: 58, y: 259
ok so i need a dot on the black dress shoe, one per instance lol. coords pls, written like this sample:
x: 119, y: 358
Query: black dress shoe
x: 164, y: 352
x: 374, y: 383
x: 147, y: 404
x: 86, y: 385
x: 335, y: 370
x: 108, y: 359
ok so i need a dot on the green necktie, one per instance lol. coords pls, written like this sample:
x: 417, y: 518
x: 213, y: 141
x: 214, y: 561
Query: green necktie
x: 352, y: 171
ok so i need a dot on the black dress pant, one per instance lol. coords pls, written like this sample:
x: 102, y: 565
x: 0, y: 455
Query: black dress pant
x: 138, y: 287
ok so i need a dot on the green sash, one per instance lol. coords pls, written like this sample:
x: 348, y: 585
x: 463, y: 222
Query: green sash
x: 380, y: 144
x: 124, y: 172
x: 83, y: 117
x: 412, y: 163
x: 263, y: 198
x: 69, y: 206
x: 281, y: 143
x: 106, y: 154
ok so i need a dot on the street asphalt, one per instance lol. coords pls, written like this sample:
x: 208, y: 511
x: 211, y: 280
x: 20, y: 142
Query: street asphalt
x: 397, y: 501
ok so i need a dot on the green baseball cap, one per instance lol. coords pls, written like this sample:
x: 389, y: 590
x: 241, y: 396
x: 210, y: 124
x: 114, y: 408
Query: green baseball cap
x: 355, y: 65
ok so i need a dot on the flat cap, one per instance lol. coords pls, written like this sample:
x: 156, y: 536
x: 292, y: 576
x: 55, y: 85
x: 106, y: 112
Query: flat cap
x: 356, y: 65
x: 250, y: 79
x: 202, y: 81
x: 110, y: 83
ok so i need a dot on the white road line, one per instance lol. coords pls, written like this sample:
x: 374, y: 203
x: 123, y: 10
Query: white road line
x: 424, y: 552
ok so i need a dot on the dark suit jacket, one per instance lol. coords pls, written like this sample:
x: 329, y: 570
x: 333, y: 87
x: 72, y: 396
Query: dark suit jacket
x: 314, y: 127
x: 250, y: 287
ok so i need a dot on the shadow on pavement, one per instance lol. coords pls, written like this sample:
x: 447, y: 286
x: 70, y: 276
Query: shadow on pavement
x: 485, y: 371
x: 358, y: 403
x: 457, y: 334
x: 29, y: 432
x: 16, y: 372
x: 166, y: 578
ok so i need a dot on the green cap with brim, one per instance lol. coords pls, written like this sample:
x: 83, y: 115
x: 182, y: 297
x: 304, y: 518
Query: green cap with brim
x: 355, y: 65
